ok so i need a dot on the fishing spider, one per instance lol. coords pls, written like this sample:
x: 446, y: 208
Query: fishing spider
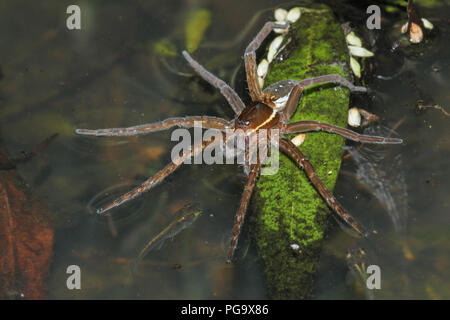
x: 271, y: 108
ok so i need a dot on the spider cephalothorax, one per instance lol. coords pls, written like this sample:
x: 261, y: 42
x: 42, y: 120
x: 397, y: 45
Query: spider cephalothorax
x: 257, y: 116
x: 269, y: 109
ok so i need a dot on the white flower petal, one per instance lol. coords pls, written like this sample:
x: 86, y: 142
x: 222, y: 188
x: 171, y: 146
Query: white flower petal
x: 298, y: 139
x: 353, y: 40
x: 427, y: 24
x: 356, y: 68
x: 294, y: 14
x: 360, y: 51
x: 354, y: 117
x: 276, y: 43
x: 261, y: 82
x: 263, y: 66
x: 280, y: 14
x: 276, y: 30
x: 273, y: 48
x: 270, y: 55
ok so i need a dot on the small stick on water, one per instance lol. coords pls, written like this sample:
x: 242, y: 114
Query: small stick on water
x: 349, y: 155
x: 420, y: 106
x: 396, y: 126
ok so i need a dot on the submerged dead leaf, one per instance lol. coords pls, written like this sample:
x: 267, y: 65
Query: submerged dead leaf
x: 26, y: 239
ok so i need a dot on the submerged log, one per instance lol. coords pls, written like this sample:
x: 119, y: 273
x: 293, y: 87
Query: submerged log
x: 290, y: 218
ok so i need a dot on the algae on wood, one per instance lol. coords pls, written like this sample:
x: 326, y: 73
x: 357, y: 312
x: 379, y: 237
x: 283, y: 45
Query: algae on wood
x: 287, y: 208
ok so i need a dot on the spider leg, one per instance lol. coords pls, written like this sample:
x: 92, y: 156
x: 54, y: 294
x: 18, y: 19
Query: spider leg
x: 294, y: 96
x: 152, y: 181
x: 231, y: 96
x: 312, y: 125
x: 240, y: 215
x: 250, y: 59
x: 295, y: 154
x: 292, y: 103
x: 187, y: 122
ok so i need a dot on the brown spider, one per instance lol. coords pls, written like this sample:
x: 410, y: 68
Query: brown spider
x: 270, y: 109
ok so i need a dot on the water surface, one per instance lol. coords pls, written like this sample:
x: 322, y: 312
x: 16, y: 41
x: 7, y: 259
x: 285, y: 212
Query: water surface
x: 107, y: 75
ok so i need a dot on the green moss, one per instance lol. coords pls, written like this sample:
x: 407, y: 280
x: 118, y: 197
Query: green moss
x: 287, y: 208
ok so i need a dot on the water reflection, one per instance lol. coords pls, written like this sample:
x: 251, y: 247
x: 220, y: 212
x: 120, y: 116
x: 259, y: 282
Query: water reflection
x: 383, y: 175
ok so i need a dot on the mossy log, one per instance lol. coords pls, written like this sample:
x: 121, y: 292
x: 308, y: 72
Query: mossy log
x: 287, y: 209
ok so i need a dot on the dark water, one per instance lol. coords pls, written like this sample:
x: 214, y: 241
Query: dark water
x: 108, y: 75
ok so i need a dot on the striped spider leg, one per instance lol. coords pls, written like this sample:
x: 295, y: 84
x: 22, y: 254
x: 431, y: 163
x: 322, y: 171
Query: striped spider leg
x: 231, y: 96
x: 187, y: 122
x: 250, y: 59
x: 245, y: 199
x: 296, y: 155
x: 297, y: 90
x: 160, y: 175
x: 254, y: 158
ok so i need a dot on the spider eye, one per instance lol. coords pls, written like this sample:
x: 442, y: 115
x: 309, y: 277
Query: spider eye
x: 243, y: 122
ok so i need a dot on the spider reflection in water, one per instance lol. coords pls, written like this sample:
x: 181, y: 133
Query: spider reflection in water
x: 271, y: 108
